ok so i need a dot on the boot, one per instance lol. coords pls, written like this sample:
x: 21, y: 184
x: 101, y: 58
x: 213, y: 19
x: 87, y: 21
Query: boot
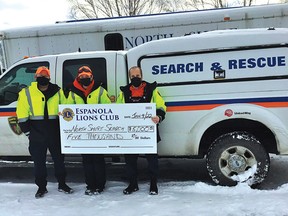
x: 89, y: 192
x: 63, y: 187
x: 132, y: 187
x: 97, y: 191
x: 41, y: 192
x: 153, y: 186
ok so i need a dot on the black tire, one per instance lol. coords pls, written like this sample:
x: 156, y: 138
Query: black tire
x: 234, y: 153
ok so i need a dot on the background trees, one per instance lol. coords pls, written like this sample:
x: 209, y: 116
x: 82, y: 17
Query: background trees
x: 113, y: 8
x: 83, y: 9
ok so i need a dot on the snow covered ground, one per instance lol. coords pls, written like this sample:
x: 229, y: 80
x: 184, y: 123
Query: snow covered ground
x: 175, y: 198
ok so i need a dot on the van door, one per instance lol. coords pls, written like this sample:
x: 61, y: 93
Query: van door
x: 102, y: 65
x: 13, y: 142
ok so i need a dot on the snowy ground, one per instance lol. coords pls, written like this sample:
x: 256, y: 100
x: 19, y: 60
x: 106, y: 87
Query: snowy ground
x: 181, y: 197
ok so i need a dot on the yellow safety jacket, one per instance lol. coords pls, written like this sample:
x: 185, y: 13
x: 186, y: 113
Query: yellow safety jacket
x: 32, y: 104
x: 98, y: 95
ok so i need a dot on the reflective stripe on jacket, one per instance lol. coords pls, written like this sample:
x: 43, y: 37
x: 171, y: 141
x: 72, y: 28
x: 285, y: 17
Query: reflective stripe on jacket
x: 31, y: 103
x: 97, y: 96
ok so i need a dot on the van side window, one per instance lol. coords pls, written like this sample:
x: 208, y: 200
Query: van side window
x: 114, y: 42
x: 16, y: 79
x: 70, y: 70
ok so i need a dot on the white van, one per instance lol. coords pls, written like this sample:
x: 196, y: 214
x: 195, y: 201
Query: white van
x: 124, y: 33
x: 226, y: 94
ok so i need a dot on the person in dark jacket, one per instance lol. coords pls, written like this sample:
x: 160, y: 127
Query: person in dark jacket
x: 86, y: 91
x: 37, y: 113
x: 139, y: 91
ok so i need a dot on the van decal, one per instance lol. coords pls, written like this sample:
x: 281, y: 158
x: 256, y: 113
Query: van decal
x: 13, y: 122
x: 230, y: 64
x: 8, y: 111
x: 219, y: 74
x: 177, y: 68
x: 134, y: 41
x: 216, y: 65
x: 228, y: 112
x: 261, y: 62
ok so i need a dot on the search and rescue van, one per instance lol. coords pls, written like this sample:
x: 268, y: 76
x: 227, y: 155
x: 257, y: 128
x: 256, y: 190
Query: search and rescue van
x: 226, y: 94
x: 124, y: 33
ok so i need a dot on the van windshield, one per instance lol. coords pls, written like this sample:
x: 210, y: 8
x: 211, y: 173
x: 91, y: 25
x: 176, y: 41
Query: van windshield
x: 16, y: 79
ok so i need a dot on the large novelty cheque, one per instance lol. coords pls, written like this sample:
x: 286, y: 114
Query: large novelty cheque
x: 108, y: 128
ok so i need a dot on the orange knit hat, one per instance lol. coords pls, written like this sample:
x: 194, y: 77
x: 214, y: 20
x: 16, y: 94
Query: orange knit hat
x: 44, y: 71
x: 84, y: 70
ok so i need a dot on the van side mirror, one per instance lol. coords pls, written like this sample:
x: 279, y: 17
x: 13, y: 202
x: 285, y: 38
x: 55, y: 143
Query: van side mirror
x: 1, y: 100
x: 11, y: 93
x: 9, y: 97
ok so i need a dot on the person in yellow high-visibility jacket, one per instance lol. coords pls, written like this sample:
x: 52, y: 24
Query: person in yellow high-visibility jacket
x: 86, y: 91
x: 37, y: 113
x: 140, y: 91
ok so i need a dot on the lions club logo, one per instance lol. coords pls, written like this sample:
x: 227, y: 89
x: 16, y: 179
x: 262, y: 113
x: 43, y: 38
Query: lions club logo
x: 67, y: 114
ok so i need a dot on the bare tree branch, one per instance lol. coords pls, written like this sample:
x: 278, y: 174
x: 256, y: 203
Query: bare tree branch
x: 112, y: 8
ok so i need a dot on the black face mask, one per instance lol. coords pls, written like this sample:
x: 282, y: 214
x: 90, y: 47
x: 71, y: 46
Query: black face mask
x: 136, y: 81
x: 43, y: 81
x: 85, y: 81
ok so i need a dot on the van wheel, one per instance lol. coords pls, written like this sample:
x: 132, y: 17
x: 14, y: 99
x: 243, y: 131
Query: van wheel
x: 237, y: 157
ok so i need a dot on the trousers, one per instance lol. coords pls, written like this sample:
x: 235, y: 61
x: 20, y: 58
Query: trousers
x: 95, y: 171
x: 131, y: 166
x: 38, y: 151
